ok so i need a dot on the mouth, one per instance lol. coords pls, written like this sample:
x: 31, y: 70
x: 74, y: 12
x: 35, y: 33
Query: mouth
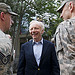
x: 34, y: 33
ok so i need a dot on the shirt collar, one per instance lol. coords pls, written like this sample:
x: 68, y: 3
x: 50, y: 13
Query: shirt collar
x: 38, y: 42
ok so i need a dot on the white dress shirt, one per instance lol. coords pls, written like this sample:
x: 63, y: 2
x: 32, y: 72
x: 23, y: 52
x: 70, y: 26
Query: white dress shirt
x: 37, y: 49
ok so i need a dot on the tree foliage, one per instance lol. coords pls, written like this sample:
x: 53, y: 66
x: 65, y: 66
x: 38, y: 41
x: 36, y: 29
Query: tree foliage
x: 26, y: 9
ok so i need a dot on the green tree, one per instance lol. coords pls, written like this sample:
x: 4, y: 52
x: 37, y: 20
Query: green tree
x: 29, y: 8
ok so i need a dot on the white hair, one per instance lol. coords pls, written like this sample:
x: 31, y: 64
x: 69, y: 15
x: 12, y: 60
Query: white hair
x: 38, y: 23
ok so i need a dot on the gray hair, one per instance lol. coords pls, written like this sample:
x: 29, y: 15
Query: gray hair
x: 38, y: 23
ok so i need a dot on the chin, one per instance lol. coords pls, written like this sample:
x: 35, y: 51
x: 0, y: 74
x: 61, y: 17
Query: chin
x: 34, y: 38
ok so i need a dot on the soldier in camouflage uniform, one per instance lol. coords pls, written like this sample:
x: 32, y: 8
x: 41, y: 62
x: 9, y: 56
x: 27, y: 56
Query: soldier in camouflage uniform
x: 65, y: 38
x: 5, y: 42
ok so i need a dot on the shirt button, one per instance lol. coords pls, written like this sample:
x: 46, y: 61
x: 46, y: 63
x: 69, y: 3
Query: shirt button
x: 38, y: 68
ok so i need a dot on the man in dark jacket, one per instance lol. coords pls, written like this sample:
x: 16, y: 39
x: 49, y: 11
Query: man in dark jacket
x: 38, y: 56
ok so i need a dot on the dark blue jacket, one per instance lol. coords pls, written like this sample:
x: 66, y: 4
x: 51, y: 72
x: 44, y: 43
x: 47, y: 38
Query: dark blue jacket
x: 48, y: 63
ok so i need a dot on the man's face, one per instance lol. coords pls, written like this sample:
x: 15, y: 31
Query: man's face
x: 8, y: 21
x: 65, y: 13
x: 36, y: 32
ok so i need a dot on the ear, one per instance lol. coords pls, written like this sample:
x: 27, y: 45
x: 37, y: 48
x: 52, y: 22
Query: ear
x: 42, y: 31
x: 2, y: 16
x: 71, y: 6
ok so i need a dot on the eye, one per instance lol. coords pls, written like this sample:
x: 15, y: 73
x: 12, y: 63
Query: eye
x: 31, y: 29
x: 36, y: 28
x: 13, y: 17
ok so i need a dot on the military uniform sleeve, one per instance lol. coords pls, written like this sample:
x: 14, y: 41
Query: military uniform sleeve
x: 57, y: 38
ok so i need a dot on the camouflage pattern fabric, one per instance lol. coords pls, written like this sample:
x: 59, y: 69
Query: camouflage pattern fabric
x: 5, y: 54
x: 65, y: 46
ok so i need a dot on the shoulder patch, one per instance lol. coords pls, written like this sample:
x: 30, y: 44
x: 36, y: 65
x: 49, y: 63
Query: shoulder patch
x: 4, y: 59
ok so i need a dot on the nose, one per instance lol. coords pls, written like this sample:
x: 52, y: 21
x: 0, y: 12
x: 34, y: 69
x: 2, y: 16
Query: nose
x: 61, y: 16
x: 33, y: 30
x: 12, y: 21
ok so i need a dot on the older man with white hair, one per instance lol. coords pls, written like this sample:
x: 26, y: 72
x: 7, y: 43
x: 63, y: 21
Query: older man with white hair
x: 38, y: 56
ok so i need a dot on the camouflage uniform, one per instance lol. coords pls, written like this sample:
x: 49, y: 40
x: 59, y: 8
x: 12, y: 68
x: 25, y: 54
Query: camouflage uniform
x: 65, y: 46
x: 5, y: 54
